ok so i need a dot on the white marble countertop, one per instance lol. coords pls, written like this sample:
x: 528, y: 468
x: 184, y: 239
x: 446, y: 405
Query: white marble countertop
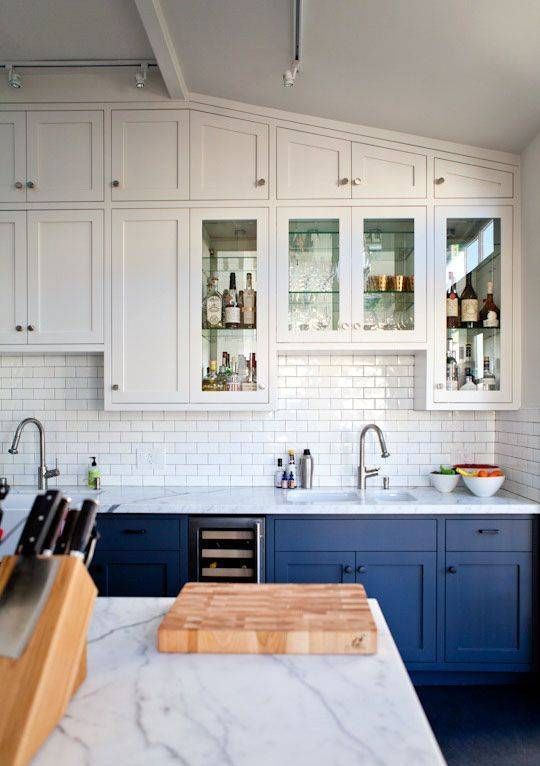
x: 139, y: 707
x: 267, y: 500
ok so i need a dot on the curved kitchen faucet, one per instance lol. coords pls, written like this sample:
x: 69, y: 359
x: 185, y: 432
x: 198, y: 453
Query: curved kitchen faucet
x: 363, y: 472
x: 44, y: 473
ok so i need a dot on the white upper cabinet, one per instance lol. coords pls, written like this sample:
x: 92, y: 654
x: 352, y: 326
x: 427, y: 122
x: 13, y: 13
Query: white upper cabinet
x: 12, y: 157
x: 461, y: 179
x: 229, y: 158
x: 150, y: 154
x: 65, y: 276
x: 311, y: 166
x: 13, y: 277
x: 64, y: 156
x: 150, y: 308
x: 381, y: 172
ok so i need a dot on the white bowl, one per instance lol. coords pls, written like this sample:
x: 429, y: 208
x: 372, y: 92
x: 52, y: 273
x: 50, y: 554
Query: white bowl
x: 445, y: 482
x: 484, y: 486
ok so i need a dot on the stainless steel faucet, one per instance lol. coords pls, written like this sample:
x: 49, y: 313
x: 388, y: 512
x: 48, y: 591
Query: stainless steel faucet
x: 44, y: 473
x: 363, y: 472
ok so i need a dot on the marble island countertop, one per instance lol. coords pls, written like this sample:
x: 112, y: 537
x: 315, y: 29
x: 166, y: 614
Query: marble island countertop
x: 140, y: 707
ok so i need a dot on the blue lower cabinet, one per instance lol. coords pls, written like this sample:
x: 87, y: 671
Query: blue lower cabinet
x: 488, y: 601
x: 405, y: 585
x: 315, y: 567
x: 137, y: 573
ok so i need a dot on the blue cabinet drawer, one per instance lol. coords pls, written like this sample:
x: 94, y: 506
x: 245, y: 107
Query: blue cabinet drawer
x: 355, y: 534
x: 485, y: 534
x: 136, y: 532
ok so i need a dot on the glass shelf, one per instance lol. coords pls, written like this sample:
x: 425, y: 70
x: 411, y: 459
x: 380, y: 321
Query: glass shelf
x: 388, y: 292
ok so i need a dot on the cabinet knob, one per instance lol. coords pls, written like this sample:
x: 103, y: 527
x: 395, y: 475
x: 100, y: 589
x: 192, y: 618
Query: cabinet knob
x: 115, y: 387
x: 439, y: 181
x: 357, y: 326
x: 439, y: 386
x: 357, y: 181
x: 262, y: 386
x: 261, y: 181
x: 30, y: 328
x: 19, y: 327
x: 361, y: 569
x: 344, y: 325
x: 343, y: 181
x: 348, y: 569
x: 452, y: 570
x: 116, y: 184
x: 19, y: 185
x: 31, y: 184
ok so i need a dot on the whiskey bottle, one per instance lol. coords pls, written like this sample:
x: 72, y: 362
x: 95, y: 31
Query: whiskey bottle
x: 212, y: 306
x: 451, y: 368
x: 452, y: 305
x: 232, y: 309
x: 249, y: 302
x: 490, y: 381
x: 212, y: 376
x: 490, y: 315
x: 469, y: 304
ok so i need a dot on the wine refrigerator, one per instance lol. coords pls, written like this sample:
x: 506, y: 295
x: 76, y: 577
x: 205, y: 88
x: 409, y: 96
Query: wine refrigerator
x: 226, y: 549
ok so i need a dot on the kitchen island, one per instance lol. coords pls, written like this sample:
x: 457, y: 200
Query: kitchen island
x: 140, y: 707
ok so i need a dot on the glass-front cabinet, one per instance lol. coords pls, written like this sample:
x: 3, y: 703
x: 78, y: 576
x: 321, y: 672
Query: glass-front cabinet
x: 474, y: 312
x: 229, y: 306
x: 352, y: 275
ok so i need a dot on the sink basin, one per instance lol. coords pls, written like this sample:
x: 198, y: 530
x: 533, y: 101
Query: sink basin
x: 350, y: 496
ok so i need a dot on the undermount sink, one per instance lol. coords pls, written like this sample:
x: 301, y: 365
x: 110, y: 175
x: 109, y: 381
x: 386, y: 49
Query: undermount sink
x: 378, y: 496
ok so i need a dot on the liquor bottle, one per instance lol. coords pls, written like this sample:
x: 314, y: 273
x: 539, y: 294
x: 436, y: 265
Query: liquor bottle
x: 232, y: 309
x: 222, y: 377
x: 490, y: 314
x: 233, y: 383
x: 249, y: 302
x: 452, y: 305
x: 451, y: 369
x: 250, y: 382
x: 490, y: 381
x: 212, y: 376
x: 206, y: 381
x: 469, y: 385
x: 469, y: 304
x: 212, y: 305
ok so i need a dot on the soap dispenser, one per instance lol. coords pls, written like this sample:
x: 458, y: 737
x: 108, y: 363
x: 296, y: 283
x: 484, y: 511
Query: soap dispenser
x: 94, y: 474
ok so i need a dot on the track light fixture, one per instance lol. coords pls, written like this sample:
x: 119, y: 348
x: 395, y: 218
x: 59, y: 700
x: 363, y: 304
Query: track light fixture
x: 14, y: 79
x: 140, y: 76
x: 290, y: 75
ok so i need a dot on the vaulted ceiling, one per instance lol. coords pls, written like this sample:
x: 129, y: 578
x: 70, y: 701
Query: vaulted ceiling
x: 455, y: 69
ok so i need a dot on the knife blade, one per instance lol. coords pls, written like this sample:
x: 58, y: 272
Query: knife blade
x: 55, y: 529
x: 64, y: 541
x: 91, y: 548
x: 83, y: 528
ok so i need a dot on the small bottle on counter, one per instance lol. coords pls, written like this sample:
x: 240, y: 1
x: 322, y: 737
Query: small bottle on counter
x: 278, y: 474
x: 291, y: 471
x: 284, y: 481
x: 94, y: 474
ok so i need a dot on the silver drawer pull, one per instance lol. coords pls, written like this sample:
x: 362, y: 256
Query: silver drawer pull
x: 489, y: 531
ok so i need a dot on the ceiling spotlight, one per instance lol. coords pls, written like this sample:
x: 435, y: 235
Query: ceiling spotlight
x: 290, y: 75
x: 14, y: 79
x: 140, y: 76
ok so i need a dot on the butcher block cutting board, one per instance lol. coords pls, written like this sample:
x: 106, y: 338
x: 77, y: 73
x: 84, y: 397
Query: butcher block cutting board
x: 228, y: 618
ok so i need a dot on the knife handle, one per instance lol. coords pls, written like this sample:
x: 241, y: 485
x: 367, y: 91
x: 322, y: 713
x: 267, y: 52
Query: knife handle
x: 56, y: 527
x: 83, y: 528
x: 64, y: 541
x: 38, y: 523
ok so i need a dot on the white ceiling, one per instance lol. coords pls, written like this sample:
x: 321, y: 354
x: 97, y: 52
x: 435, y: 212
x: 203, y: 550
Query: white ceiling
x: 467, y: 71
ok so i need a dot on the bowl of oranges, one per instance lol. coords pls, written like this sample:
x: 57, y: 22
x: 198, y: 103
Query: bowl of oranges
x: 481, y: 480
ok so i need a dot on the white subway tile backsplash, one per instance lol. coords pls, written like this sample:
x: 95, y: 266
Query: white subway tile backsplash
x: 517, y: 450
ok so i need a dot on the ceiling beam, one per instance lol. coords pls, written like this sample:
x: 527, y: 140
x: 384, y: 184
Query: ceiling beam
x: 156, y: 28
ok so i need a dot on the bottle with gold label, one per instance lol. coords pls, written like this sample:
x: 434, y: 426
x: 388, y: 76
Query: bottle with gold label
x: 212, y: 314
x: 469, y: 304
x: 249, y: 302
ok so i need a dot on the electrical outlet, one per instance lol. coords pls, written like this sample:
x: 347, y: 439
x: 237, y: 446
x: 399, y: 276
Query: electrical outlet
x: 151, y: 457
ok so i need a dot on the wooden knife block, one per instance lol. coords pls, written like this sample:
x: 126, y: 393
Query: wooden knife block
x: 35, y: 689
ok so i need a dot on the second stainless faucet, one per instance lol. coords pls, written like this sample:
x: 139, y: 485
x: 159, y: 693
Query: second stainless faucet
x: 44, y: 473
x: 363, y: 472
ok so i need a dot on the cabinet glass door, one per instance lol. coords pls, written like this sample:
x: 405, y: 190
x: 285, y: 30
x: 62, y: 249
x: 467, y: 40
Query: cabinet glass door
x: 388, y: 274
x: 475, y: 304
x: 313, y: 274
x: 229, y: 332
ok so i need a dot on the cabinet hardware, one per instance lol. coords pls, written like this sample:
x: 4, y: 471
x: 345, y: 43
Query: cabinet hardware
x: 348, y: 569
x: 344, y: 325
x: 439, y: 386
x: 18, y: 327
x: 115, y: 387
x: 19, y: 185
x: 439, y: 181
x: 262, y: 386
x: 489, y: 531
x: 452, y: 570
x: 343, y: 181
x: 261, y: 181
x: 361, y: 569
x: 357, y: 181
x: 357, y: 326
x: 129, y: 531
x: 116, y: 184
x: 30, y: 328
x: 31, y: 184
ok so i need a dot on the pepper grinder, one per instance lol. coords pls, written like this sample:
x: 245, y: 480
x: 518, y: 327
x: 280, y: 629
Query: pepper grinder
x: 306, y: 470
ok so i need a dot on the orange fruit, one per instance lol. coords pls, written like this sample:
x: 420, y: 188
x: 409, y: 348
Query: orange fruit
x: 482, y: 472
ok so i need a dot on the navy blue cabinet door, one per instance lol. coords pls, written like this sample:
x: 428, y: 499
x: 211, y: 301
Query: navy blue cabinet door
x: 314, y: 567
x: 405, y: 586
x: 137, y: 573
x: 488, y: 607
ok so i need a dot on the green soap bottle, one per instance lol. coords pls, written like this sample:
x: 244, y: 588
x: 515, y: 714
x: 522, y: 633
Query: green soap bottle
x: 93, y: 473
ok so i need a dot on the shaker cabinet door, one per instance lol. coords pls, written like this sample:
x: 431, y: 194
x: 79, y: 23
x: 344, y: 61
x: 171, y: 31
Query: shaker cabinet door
x: 228, y: 158
x: 65, y: 156
x: 381, y: 172
x: 150, y: 154
x: 311, y: 166
x: 65, y: 276
x: 12, y: 157
x: 314, y: 567
x: 13, y: 277
x: 461, y: 179
x: 137, y: 574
